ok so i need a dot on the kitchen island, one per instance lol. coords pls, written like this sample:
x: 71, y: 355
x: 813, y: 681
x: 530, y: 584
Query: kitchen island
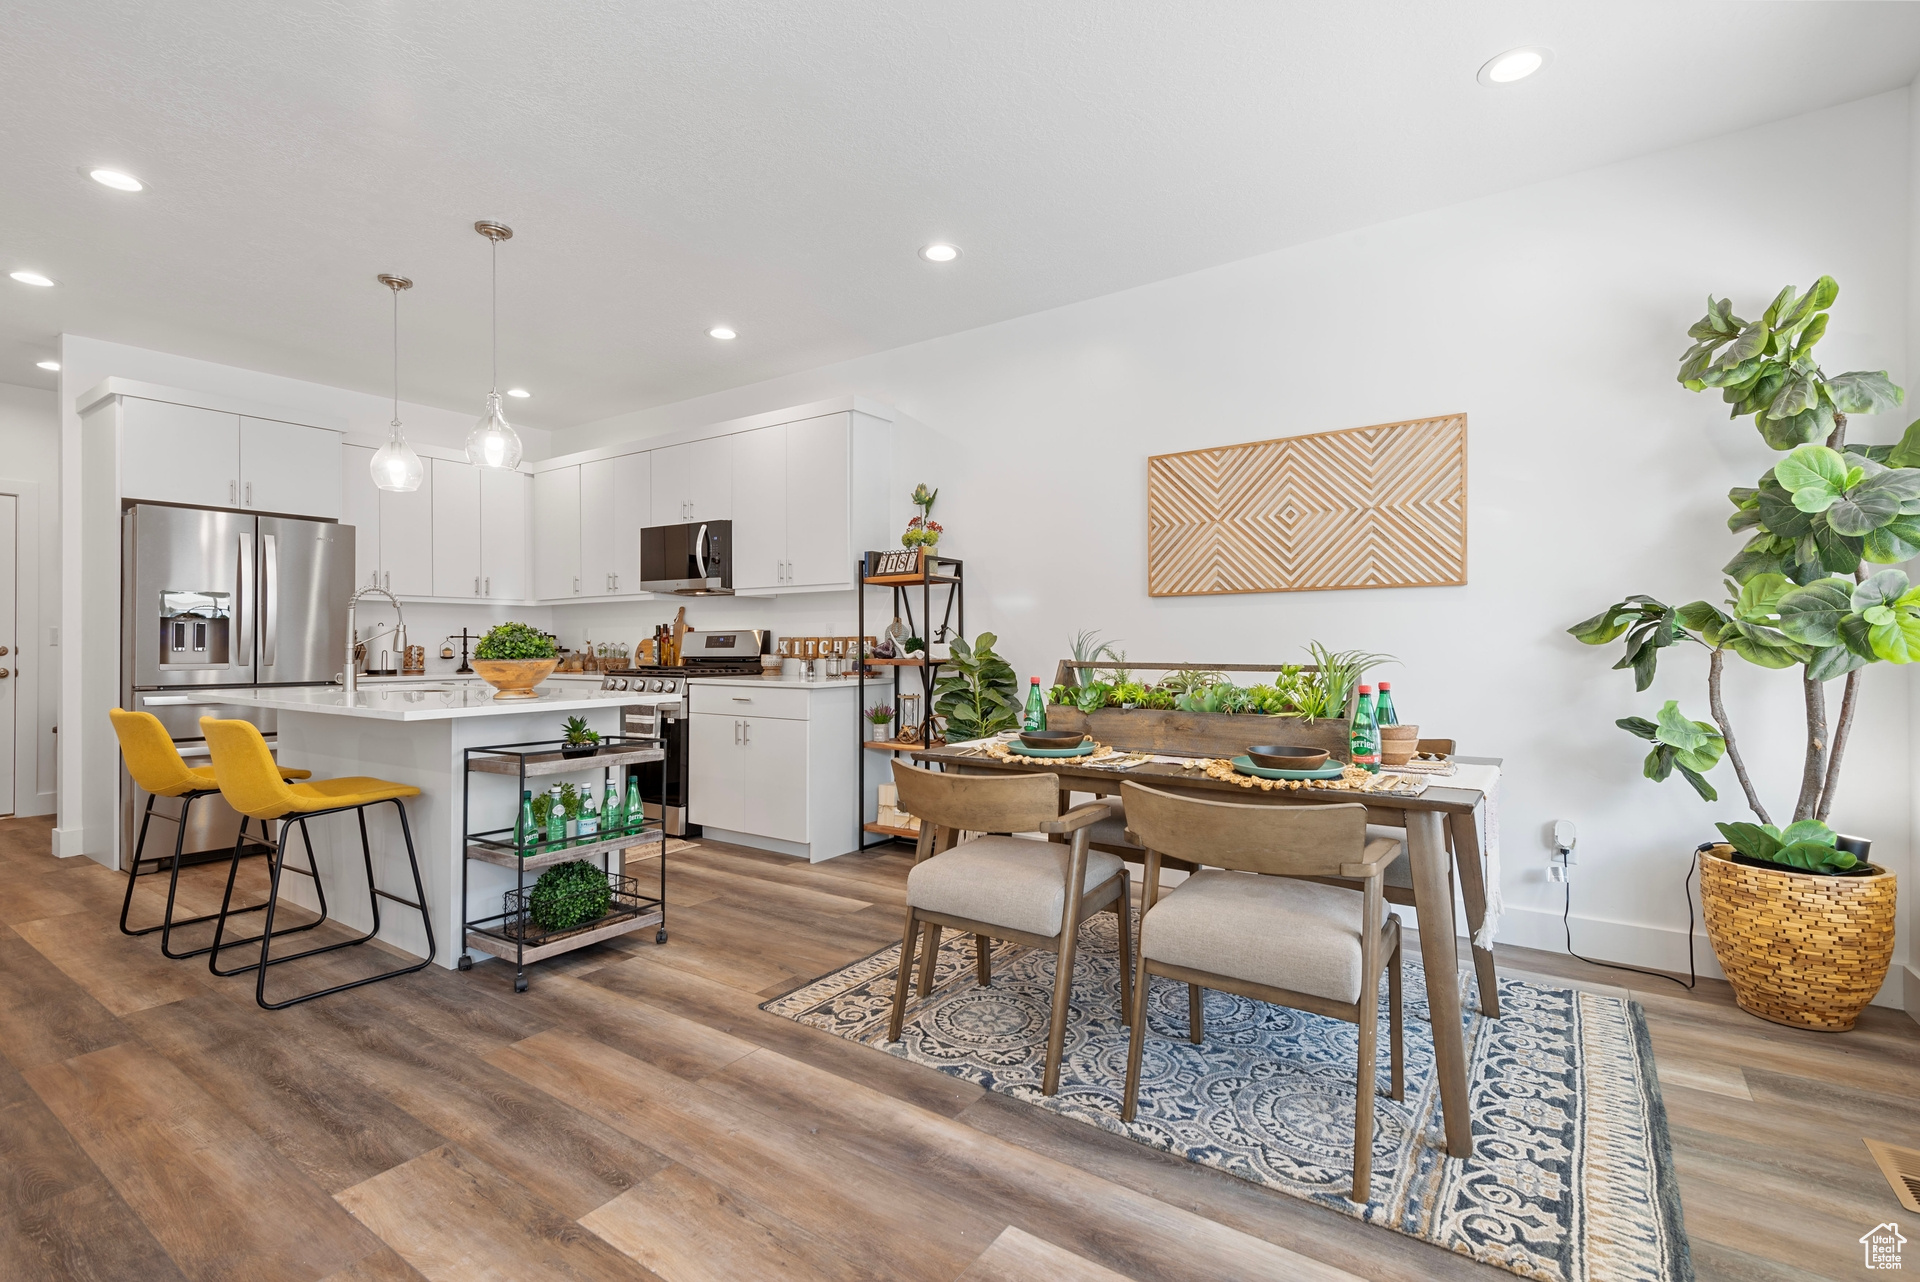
x: 417, y: 734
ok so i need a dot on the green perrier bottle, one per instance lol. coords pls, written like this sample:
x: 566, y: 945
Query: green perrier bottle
x: 1383, y: 710
x: 636, y: 808
x: 1366, y: 733
x: 1036, y: 718
x: 610, y: 812
x: 527, y: 833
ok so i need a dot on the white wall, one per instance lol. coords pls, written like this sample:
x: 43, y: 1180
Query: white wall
x: 30, y: 463
x: 84, y: 362
x: 1554, y: 316
x: 1913, y: 406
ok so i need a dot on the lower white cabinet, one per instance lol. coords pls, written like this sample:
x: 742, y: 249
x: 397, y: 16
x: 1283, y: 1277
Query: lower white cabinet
x: 771, y: 765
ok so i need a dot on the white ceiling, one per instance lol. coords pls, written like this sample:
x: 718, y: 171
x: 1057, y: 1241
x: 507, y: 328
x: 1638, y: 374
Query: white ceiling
x: 775, y: 164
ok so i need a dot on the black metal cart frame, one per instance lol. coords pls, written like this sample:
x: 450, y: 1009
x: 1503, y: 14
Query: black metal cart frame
x: 510, y: 935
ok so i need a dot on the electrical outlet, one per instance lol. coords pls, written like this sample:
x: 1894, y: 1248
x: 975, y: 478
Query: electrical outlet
x: 1565, y: 838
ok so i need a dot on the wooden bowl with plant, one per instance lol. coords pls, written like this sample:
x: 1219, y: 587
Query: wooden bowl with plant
x: 513, y: 658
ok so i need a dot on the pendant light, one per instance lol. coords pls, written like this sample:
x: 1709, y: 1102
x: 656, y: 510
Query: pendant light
x: 493, y: 442
x: 394, y: 465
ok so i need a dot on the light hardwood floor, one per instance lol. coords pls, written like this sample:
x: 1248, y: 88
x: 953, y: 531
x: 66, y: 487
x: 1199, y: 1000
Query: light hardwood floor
x: 635, y: 1115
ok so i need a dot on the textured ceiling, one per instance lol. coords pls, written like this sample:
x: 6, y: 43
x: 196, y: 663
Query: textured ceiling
x: 775, y: 166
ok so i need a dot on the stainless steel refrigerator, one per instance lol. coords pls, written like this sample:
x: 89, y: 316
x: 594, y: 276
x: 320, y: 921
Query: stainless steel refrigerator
x: 213, y: 600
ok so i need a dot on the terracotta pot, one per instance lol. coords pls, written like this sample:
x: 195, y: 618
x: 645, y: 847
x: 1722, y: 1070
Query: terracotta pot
x: 1799, y: 949
x: 514, y: 678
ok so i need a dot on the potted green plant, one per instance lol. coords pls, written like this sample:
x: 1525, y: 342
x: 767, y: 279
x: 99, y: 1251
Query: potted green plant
x: 976, y: 691
x: 570, y: 807
x: 579, y: 741
x: 513, y: 658
x: 1802, y: 927
x: 542, y: 806
x: 878, y: 717
x: 569, y: 896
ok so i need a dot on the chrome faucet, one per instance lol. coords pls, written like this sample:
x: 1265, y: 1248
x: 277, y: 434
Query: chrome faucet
x: 353, y: 641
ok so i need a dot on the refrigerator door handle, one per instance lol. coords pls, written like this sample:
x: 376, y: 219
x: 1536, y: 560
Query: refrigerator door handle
x: 243, y: 601
x: 269, y: 598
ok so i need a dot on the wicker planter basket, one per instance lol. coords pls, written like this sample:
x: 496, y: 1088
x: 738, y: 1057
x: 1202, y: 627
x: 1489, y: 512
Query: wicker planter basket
x: 1799, y: 949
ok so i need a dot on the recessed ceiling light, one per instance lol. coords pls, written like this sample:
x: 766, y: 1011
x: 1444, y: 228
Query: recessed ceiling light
x: 1514, y: 65
x: 31, y: 278
x: 521, y: 392
x: 721, y: 332
x: 48, y: 365
x: 940, y: 253
x: 115, y: 179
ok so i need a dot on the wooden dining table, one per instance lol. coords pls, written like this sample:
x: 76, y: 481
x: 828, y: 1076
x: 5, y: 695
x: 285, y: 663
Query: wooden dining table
x: 1428, y: 817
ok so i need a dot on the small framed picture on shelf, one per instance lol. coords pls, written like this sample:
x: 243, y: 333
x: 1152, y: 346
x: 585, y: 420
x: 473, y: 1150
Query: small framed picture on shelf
x: 895, y: 561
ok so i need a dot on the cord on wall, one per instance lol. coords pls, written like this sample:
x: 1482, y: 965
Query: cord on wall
x: 1693, y: 977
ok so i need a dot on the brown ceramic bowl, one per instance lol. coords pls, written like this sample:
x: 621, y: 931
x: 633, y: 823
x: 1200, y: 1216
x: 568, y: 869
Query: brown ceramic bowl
x: 1052, y: 738
x: 1275, y: 756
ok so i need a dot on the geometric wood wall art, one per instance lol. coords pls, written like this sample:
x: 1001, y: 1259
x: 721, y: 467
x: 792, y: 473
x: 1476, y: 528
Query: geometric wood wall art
x: 1365, y: 507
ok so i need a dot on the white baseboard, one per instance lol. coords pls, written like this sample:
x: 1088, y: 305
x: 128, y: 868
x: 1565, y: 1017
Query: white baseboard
x: 68, y: 842
x: 1659, y: 948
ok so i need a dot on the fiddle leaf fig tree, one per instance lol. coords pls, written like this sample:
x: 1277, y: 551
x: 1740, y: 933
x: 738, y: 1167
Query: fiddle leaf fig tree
x: 1803, y: 592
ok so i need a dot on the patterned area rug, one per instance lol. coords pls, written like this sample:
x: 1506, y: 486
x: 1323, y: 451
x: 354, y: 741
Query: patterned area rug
x: 1571, y: 1178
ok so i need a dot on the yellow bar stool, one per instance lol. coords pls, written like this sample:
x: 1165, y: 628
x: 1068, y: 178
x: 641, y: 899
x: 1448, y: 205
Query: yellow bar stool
x: 251, y: 783
x: 157, y: 766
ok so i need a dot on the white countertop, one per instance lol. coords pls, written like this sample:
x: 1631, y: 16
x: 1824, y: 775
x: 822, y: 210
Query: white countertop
x: 779, y: 682
x: 420, y: 701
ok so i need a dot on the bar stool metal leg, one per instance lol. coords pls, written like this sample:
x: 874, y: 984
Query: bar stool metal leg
x: 167, y: 924
x: 374, y: 896
x: 311, y: 872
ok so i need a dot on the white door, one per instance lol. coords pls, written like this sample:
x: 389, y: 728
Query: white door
x: 669, y: 484
x: 360, y: 508
x: 819, y: 544
x: 760, y: 504
x: 406, y: 540
x: 9, y: 649
x: 503, y: 533
x: 710, y: 479
x: 632, y: 513
x: 556, y: 533
x: 456, y: 528
x: 715, y: 770
x: 596, y: 527
x: 774, y: 768
x: 289, y: 469
x: 179, y: 454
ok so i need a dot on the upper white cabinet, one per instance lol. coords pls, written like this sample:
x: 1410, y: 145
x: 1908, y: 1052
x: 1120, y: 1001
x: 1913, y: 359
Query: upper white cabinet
x: 288, y: 468
x: 456, y: 528
x: 406, y: 538
x: 360, y: 508
x: 596, y: 527
x: 693, y: 482
x: 632, y: 513
x: 810, y: 497
x: 503, y: 534
x: 181, y: 454
x: 556, y: 533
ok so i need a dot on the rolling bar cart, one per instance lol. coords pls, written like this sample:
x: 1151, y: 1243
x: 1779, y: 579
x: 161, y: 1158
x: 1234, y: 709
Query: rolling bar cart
x: 511, y: 934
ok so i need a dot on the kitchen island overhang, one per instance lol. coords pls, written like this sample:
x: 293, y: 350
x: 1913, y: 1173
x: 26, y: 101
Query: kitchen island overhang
x: 420, y: 736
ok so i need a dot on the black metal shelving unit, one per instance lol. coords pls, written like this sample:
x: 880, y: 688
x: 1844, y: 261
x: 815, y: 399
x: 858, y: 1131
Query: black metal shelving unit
x: 935, y: 571
x: 511, y: 934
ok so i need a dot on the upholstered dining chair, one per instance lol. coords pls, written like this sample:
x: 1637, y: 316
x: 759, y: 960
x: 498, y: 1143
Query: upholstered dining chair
x: 999, y: 886
x: 1248, y: 924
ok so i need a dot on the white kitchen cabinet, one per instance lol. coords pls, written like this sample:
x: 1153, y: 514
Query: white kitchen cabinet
x: 290, y: 469
x: 632, y: 513
x: 556, y: 533
x: 406, y: 540
x: 819, y: 551
x: 503, y: 533
x: 456, y: 528
x: 360, y: 508
x: 693, y: 482
x: 596, y: 527
x: 179, y: 454
x: 760, y: 505
x: 769, y: 765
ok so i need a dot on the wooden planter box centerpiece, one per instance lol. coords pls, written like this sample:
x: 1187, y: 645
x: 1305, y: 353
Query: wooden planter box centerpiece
x: 1216, y: 734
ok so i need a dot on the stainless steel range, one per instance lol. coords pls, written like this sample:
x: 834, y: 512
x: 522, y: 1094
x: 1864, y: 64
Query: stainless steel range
x: 657, y: 709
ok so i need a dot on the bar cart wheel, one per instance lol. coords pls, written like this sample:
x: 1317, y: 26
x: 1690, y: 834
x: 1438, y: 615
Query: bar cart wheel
x: 660, y: 937
x: 519, y: 983
x: 466, y: 962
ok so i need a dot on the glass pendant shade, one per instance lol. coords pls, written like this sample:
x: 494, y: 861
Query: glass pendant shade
x: 395, y: 466
x: 493, y: 442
